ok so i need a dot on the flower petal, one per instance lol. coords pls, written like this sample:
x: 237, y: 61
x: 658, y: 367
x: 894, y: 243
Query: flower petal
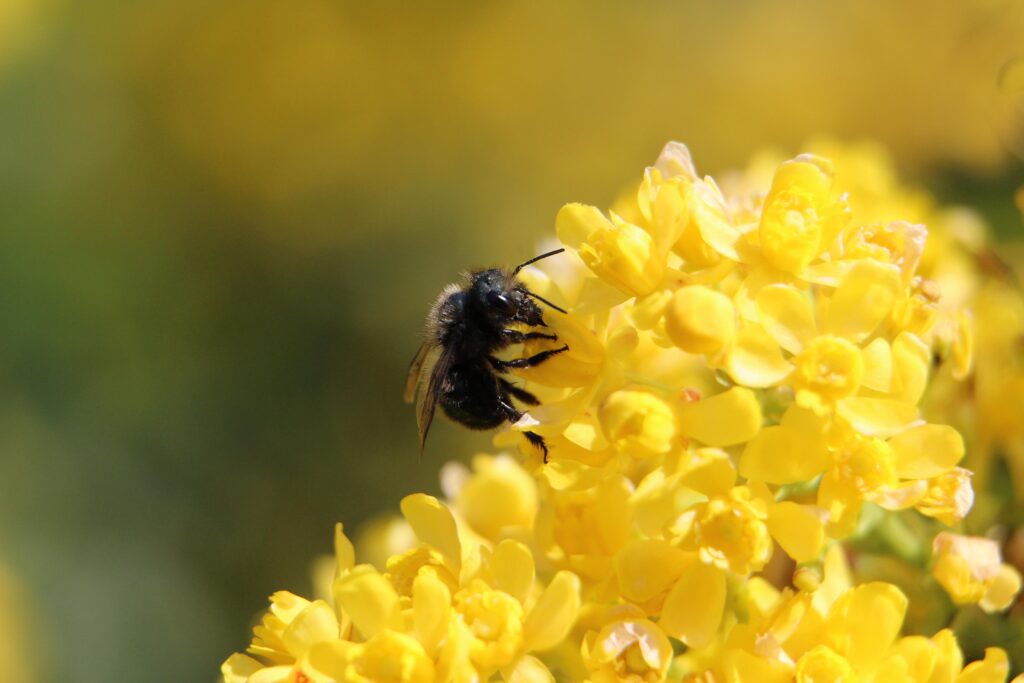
x: 902, y: 496
x: 709, y: 471
x: 787, y: 316
x: 314, y: 624
x: 513, y: 568
x: 911, y: 361
x: 883, y: 417
x: 781, y: 455
x: 326, y: 661
x: 344, y: 551
x: 709, y: 213
x: 1002, y: 590
x: 755, y: 360
x: 528, y: 670
x: 864, y: 622
x: 799, y: 529
x: 863, y: 299
x: 877, y: 365
x: 272, y: 674
x: 434, y: 525
x: 993, y: 669
x: 238, y: 667
x: 741, y: 666
x: 647, y: 568
x: 693, y: 609
x: 700, y: 319
x: 368, y: 598
x: 725, y: 419
x: 431, y: 602
x: 675, y: 160
x: 926, y: 451
x: 554, y: 614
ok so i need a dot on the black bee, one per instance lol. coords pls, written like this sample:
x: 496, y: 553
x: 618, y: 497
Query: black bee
x: 467, y: 324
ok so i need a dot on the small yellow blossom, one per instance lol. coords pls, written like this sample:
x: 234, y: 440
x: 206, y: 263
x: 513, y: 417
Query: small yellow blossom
x: 730, y: 532
x: 971, y: 570
x: 949, y: 496
x: 638, y: 421
x: 498, y: 497
x: 627, y: 651
x: 829, y: 368
x: 623, y: 254
x: 801, y: 214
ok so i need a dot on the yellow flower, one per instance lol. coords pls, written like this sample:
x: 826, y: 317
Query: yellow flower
x: 627, y: 651
x: 623, y: 254
x: 899, y: 243
x: 495, y: 620
x: 584, y: 530
x: 829, y: 368
x: 292, y: 625
x: 577, y: 367
x: 949, y: 496
x: 498, y: 497
x: 971, y: 570
x: 801, y: 214
x: 731, y: 533
x: 638, y: 422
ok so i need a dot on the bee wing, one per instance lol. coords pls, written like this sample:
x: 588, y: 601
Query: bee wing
x: 415, y: 370
x: 427, y: 402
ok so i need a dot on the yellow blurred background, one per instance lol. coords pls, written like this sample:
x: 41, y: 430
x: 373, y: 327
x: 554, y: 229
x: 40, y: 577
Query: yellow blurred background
x: 221, y: 224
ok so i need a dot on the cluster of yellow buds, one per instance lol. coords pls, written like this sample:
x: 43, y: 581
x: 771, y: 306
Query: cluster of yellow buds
x: 744, y: 381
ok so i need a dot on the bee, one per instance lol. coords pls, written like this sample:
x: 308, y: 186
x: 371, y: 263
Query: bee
x: 456, y: 365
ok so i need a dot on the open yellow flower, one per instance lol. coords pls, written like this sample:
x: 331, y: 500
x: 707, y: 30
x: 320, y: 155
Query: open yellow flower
x: 627, y: 651
x: 801, y: 214
x: 971, y: 570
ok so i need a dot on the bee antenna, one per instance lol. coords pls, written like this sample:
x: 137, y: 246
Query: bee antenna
x: 534, y: 260
x: 538, y: 297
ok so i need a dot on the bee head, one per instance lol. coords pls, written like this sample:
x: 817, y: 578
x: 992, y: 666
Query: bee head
x: 499, y: 298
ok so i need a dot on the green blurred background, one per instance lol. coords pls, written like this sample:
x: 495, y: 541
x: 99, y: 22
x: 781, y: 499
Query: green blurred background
x: 221, y: 224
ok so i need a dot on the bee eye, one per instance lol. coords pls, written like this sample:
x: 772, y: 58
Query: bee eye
x: 500, y: 302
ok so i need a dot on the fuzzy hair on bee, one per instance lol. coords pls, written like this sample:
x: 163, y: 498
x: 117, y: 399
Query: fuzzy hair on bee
x: 456, y: 365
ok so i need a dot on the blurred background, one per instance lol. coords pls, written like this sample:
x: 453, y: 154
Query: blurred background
x: 221, y: 225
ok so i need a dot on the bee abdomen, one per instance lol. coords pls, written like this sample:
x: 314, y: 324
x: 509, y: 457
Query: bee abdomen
x: 470, y: 397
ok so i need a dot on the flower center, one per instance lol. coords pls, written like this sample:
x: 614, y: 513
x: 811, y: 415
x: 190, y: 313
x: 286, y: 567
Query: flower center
x: 829, y: 367
x: 732, y: 537
x: 496, y: 621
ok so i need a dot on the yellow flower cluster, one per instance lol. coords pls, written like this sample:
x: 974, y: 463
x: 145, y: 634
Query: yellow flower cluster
x: 439, y: 612
x: 745, y: 375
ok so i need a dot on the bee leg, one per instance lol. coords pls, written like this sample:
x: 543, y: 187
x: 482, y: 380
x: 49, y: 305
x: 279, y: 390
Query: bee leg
x: 511, y: 413
x: 529, y: 362
x: 517, y: 337
x: 514, y: 415
x: 521, y: 394
x: 538, y: 441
